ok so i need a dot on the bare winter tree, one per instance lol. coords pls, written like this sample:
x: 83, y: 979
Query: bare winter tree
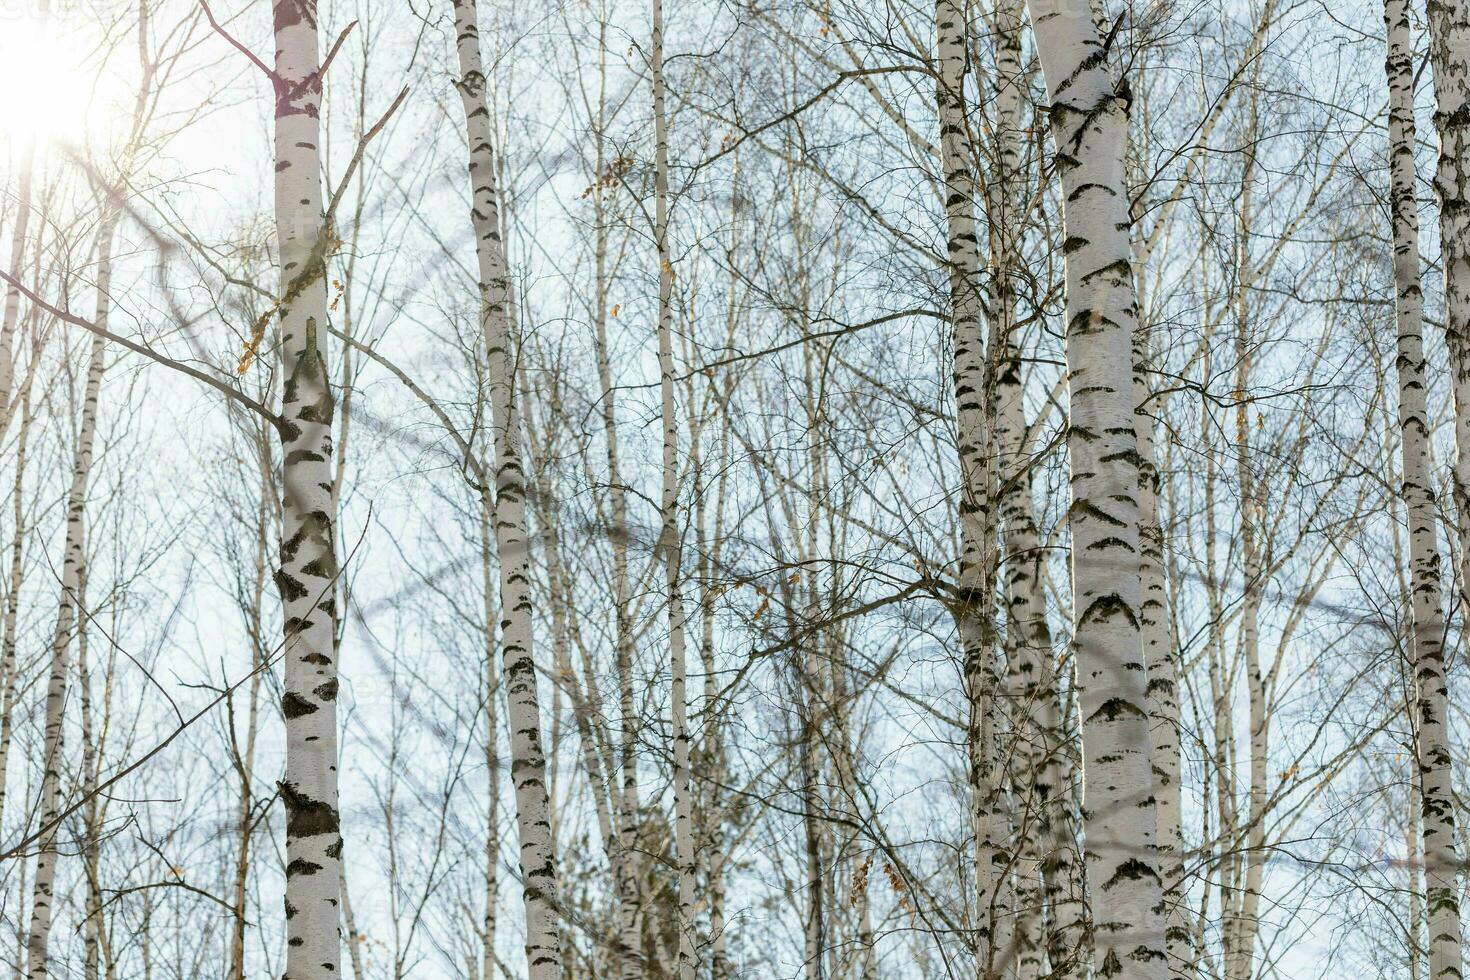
x: 918, y: 490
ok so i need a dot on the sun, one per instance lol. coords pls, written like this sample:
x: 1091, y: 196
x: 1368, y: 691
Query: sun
x: 48, y: 85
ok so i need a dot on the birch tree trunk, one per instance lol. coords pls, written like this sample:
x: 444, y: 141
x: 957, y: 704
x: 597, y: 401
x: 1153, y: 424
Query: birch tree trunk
x: 1028, y: 642
x: 1064, y: 873
x: 1415, y: 930
x: 1163, y: 703
x: 307, y: 575
x: 1089, y: 117
x: 18, y: 961
x: 1158, y: 654
x: 1240, y: 925
x: 10, y: 318
x: 93, y: 933
x: 1157, y: 632
x: 244, y: 753
x: 9, y: 669
x: 623, y: 857
x: 73, y: 558
x: 1449, y: 31
x: 974, y: 614
x: 1241, y: 928
x: 1027, y: 639
x: 528, y: 762
x: 1221, y: 683
x: 709, y: 550
x: 355, y: 939
x: 492, y: 741
x: 669, y: 535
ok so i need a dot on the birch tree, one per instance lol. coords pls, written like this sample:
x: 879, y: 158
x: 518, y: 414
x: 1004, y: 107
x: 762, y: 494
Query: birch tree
x: 1449, y: 49
x: 670, y: 532
x: 973, y: 408
x: 1021, y: 452
x: 72, y: 574
x: 537, y: 854
x: 306, y: 577
x: 1089, y: 119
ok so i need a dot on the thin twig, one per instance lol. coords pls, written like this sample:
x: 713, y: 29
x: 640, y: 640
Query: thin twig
x: 146, y: 351
x: 362, y: 146
x: 269, y: 73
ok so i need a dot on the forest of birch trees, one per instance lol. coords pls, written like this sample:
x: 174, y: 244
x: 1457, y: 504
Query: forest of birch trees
x: 715, y: 489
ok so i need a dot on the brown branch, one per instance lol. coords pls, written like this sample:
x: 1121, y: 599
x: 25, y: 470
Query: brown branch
x: 821, y: 94
x: 362, y: 146
x: 146, y: 351
x: 107, y: 784
x: 315, y: 78
x: 471, y: 461
x: 841, y: 331
x: 225, y: 693
x: 124, y: 892
x: 336, y: 46
x: 269, y: 73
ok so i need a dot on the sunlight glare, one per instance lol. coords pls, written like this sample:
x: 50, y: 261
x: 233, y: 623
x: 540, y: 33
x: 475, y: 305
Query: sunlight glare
x: 49, y: 87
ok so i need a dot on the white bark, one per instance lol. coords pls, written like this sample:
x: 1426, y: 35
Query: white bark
x: 1089, y: 117
x: 307, y: 574
x: 1028, y: 639
x: 623, y: 857
x: 1065, y: 870
x: 95, y: 945
x: 528, y: 761
x: 73, y: 559
x: 10, y: 319
x: 1449, y: 29
x: 669, y: 535
x: 492, y: 753
x: 1415, y: 931
x: 1241, y: 926
x: 9, y: 669
x: 973, y: 605
x: 243, y: 751
x: 1159, y: 656
x: 1163, y: 703
x: 709, y: 547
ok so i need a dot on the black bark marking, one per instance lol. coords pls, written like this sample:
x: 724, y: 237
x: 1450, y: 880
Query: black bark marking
x: 294, y: 705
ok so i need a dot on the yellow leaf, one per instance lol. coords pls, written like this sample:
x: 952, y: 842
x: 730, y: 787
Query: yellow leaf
x: 257, y: 334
